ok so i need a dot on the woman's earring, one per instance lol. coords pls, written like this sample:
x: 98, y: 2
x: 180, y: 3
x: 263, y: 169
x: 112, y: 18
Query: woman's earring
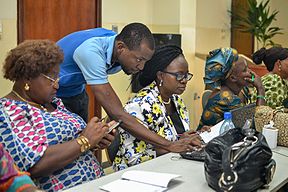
x: 279, y: 67
x: 161, y: 83
x: 26, y: 87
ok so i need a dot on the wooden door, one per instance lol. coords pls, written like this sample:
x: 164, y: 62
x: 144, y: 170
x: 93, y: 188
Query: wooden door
x: 53, y: 19
x: 243, y: 42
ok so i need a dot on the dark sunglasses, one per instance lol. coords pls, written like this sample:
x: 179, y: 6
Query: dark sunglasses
x: 179, y: 76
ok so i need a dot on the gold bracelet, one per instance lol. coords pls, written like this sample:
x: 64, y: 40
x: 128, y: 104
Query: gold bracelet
x: 260, y: 97
x: 84, y: 143
x: 82, y: 148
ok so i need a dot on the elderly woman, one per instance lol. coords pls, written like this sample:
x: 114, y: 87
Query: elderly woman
x: 228, y: 74
x: 158, y: 107
x: 41, y: 135
x: 276, y: 81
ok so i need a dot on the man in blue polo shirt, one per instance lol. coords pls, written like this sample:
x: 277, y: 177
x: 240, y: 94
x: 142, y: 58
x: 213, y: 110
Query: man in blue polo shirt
x: 90, y: 56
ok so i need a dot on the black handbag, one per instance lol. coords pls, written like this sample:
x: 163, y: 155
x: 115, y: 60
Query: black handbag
x: 236, y: 162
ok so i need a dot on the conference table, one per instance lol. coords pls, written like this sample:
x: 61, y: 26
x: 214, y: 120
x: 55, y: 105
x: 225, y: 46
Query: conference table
x: 192, y: 173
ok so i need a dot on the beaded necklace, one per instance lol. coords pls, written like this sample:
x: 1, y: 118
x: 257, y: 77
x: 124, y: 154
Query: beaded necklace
x: 30, y: 102
x: 166, y: 102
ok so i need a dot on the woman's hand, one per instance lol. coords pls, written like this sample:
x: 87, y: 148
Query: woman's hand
x: 189, y: 143
x: 95, y: 131
x: 191, y: 132
x: 205, y: 128
x: 108, y: 137
x: 187, y: 134
x: 256, y: 82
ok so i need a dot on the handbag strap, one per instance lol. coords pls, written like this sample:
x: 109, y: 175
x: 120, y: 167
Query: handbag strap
x: 229, y: 160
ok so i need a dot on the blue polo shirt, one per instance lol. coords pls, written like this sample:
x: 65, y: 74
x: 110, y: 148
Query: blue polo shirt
x: 87, y: 60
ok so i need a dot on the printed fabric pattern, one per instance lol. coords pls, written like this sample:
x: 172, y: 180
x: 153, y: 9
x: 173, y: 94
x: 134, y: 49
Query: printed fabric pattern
x: 26, y: 132
x: 11, y: 179
x: 216, y: 106
x: 148, y: 108
x: 276, y: 90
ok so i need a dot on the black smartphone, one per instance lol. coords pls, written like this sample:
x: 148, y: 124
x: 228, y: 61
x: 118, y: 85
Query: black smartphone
x: 116, y: 125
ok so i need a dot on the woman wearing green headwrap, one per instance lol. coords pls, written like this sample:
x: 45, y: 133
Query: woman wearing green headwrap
x: 158, y: 107
x: 227, y: 74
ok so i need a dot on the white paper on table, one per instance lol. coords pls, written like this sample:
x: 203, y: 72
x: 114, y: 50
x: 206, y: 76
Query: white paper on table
x: 207, y: 136
x: 139, y: 181
x: 122, y: 185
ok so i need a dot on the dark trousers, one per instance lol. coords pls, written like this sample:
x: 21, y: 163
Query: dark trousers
x: 78, y: 104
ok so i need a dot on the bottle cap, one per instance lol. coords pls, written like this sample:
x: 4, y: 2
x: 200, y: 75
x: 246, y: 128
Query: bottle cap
x: 227, y: 115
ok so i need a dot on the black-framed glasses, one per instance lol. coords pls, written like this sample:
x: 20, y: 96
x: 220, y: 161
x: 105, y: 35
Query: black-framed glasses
x: 179, y: 76
x: 53, y: 81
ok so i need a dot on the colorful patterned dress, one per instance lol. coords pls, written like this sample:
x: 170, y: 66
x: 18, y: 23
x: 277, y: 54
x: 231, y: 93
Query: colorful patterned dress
x: 147, y: 106
x: 11, y: 179
x: 216, y: 106
x: 276, y: 90
x: 26, y: 132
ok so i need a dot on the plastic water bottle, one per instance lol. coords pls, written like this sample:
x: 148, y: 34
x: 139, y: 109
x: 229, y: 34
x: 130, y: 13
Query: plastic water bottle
x: 227, y: 124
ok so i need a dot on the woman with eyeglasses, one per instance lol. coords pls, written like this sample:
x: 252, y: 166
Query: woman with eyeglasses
x: 228, y: 74
x: 158, y: 107
x: 43, y: 137
x: 276, y: 81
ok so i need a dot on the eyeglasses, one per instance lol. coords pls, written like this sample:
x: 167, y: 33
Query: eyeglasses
x: 53, y: 81
x: 179, y: 76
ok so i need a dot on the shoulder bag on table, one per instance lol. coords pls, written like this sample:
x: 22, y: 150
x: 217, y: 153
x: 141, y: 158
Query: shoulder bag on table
x: 236, y: 162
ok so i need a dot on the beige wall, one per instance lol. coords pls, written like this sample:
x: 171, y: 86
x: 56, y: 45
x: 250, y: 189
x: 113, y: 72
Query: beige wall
x: 281, y: 6
x: 8, y: 37
x: 213, y: 25
x: 187, y: 29
x: 165, y: 16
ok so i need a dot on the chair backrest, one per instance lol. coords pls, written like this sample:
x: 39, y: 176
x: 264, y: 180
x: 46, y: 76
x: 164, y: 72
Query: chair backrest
x: 205, y: 97
x: 112, y: 150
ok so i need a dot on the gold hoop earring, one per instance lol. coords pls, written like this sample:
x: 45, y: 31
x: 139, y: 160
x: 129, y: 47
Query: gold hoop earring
x: 26, y: 87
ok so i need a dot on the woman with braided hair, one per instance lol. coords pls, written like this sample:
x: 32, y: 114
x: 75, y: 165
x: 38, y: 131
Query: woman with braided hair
x: 158, y: 107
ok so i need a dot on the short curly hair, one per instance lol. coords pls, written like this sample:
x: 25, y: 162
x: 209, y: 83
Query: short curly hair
x: 31, y: 58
